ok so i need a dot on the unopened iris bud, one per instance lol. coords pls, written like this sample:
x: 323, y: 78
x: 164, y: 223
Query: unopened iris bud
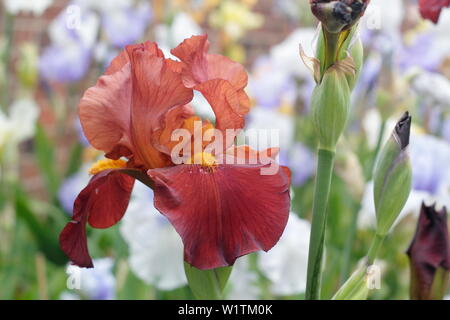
x: 429, y: 255
x: 392, y: 176
x: 338, y: 15
x: 330, y: 103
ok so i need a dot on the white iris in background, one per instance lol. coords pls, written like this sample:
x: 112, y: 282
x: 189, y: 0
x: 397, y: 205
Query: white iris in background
x: 156, y: 250
x: 182, y: 27
x: 94, y: 284
x: 36, y: 7
x: 285, y: 265
x: 243, y: 282
x: 19, y: 124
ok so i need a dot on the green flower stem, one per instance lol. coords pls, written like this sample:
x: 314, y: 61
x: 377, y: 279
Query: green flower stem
x: 374, y: 248
x: 319, y: 220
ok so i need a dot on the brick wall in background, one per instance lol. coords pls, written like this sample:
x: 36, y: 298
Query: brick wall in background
x: 34, y: 28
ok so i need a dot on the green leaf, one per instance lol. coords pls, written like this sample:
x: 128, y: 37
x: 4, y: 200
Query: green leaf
x: 46, y: 238
x: 46, y: 160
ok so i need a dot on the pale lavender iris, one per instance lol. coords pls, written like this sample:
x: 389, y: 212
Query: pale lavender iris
x: 430, y: 158
x: 270, y: 88
x: 70, y: 189
x: 126, y: 26
x: 301, y: 160
x: 421, y: 53
x: 64, y: 63
x: 446, y: 129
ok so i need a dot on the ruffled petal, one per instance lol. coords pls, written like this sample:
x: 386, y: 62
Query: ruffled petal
x: 229, y: 106
x: 102, y: 203
x: 201, y: 66
x: 219, y: 79
x: 156, y: 89
x: 431, y: 9
x: 105, y: 113
x: 223, y: 212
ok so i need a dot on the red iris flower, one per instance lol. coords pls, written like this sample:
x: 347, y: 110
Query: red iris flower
x: 431, y: 9
x: 221, y: 211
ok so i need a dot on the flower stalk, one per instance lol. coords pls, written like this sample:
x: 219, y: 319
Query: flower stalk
x: 316, y: 244
x: 338, y: 61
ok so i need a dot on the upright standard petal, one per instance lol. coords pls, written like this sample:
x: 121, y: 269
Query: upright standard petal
x: 105, y: 113
x: 156, y: 90
x: 102, y: 203
x: 105, y: 109
x: 222, y: 212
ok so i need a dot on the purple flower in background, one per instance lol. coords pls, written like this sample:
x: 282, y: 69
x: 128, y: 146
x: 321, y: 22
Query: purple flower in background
x: 64, y: 64
x: 430, y: 157
x: 97, y: 283
x: 446, y: 129
x: 423, y: 52
x: 71, y: 187
x: 126, y: 25
x: 81, y: 137
x: 301, y: 160
x: 72, y: 37
x: 269, y: 87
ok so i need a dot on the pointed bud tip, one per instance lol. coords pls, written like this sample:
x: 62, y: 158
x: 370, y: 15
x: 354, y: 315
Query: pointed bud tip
x: 403, y: 129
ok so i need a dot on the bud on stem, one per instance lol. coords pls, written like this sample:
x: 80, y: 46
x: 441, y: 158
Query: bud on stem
x: 392, y: 176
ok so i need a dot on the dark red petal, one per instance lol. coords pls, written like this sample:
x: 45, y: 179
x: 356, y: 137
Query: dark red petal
x: 431, y: 9
x: 102, y: 202
x: 224, y: 212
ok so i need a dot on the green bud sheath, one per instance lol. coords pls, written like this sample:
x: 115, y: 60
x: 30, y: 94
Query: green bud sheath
x: 330, y: 103
x: 207, y: 284
x: 392, y: 176
x: 355, y: 288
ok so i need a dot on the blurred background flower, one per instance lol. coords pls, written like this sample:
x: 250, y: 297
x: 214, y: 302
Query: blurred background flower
x: 52, y: 51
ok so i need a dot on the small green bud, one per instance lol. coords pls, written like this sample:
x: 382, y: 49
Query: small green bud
x: 207, y: 284
x: 392, y: 176
x: 330, y: 103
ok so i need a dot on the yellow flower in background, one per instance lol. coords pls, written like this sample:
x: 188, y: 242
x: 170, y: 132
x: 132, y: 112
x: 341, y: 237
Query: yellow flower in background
x: 27, y: 66
x: 235, y: 18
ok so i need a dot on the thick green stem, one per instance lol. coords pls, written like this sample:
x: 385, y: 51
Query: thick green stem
x: 374, y: 248
x: 319, y: 220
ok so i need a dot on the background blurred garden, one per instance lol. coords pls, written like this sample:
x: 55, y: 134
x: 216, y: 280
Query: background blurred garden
x: 53, y: 50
